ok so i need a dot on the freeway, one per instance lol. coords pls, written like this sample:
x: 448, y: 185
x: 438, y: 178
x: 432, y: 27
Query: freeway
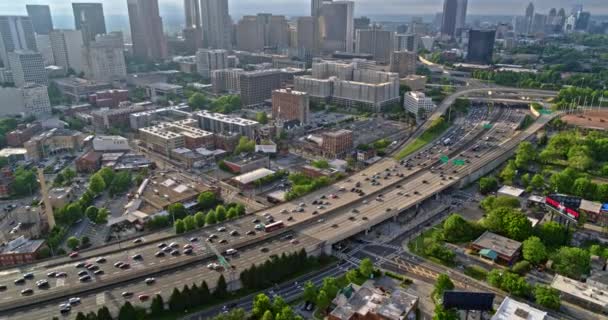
x: 166, y: 281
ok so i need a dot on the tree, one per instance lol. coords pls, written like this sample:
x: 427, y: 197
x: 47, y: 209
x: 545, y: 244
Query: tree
x: 443, y: 314
x: 267, y: 315
x: 330, y: 286
x: 366, y: 267
x: 494, y: 278
x: 493, y: 202
x: 179, y: 226
x: 96, y: 184
x: 177, y: 210
x: 553, y: 234
x: 457, y: 229
x: 127, y: 312
x: 24, y: 182
x: 206, y: 200
x: 521, y: 267
x: 107, y: 174
x: 352, y: 275
x: 232, y: 213
x: 323, y: 300
x: 210, y: 218
x: 85, y: 241
x: 121, y: 182
x: 286, y: 314
x: 517, y: 225
x: 199, y: 218
x: 487, y: 185
x: 72, y: 243
x: 104, y: 314
x: 508, y: 173
x: 244, y: 146
x: 537, y: 182
x: 102, y: 216
x: 261, y: 304
x: 442, y: 284
x: 524, y: 154
x: 547, y: 297
x: 310, y: 291
x: 515, y: 284
x: 221, y: 289
x: 197, y: 101
x: 534, y: 250
x: 189, y: 223
x: 572, y: 262
x: 81, y: 316
x: 176, y: 301
x: 261, y: 117
x: 91, y: 213
x: 220, y: 213
x: 321, y: 164
x: 278, y: 303
x: 158, y: 306
x: 240, y: 209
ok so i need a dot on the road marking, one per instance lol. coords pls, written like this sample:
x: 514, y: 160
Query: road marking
x: 101, y: 298
x: 60, y: 282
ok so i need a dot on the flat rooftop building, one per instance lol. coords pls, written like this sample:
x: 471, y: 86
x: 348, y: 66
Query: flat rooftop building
x: 168, y: 136
x: 514, y: 310
x: 497, y: 248
x: 586, y: 295
x: 221, y: 123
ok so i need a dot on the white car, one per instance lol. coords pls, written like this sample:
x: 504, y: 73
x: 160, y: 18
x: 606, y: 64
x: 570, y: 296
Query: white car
x: 221, y: 229
x: 73, y: 301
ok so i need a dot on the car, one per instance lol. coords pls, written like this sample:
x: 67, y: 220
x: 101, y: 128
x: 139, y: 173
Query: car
x: 294, y: 241
x: 137, y: 257
x: 65, y: 308
x: 223, y: 241
x: 28, y: 275
x: 98, y: 272
x: 100, y: 260
x: 84, y: 278
x: 42, y: 284
x: 125, y: 266
x: 118, y: 264
x: 175, y: 252
x: 264, y: 249
x: 194, y: 239
x: 213, y: 266
x: 255, y: 220
x: 126, y: 294
x: 82, y: 273
x: 221, y: 229
x: 159, y: 254
x: 3, y: 287
x: 52, y: 274
x: 283, y: 211
x: 315, y: 212
x: 61, y: 275
x: 167, y: 249
x: 79, y: 265
x: 143, y: 297
x: 188, y: 251
x: 161, y: 245
x: 187, y: 246
x: 234, y: 233
x: 321, y: 207
x: 74, y: 300
x: 150, y: 280
x: 27, y: 292
x: 388, y: 209
x: 250, y: 233
x: 174, y: 245
x: 93, y: 268
x: 73, y: 254
x: 213, y: 236
x: 290, y: 218
x: 138, y: 240
x: 87, y: 265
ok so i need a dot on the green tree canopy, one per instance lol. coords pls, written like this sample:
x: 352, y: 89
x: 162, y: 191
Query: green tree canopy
x: 572, y: 262
x: 197, y: 101
x: 210, y: 218
x: 97, y: 184
x: 547, y: 297
x: 179, y: 226
x: 524, y: 154
x: 207, y: 200
x: 366, y: 267
x: 261, y: 117
x: 534, y: 250
x: 220, y: 213
x: 487, y: 185
x: 72, y: 243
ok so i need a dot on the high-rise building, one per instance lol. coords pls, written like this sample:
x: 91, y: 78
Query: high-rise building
x: 336, y: 144
x: 481, y: 46
x: 209, y: 60
x: 89, y: 18
x: 289, y: 105
x: 104, y: 58
x: 226, y: 80
x: 403, y: 63
x: 305, y: 27
x: 67, y: 49
x: 418, y: 103
x: 16, y: 33
x: 530, y: 10
x: 378, y: 43
x: 582, y: 20
x: 448, y: 22
x: 461, y: 15
x: 407, y: 42
x: 27, y: 66
x: 193, y: 38
x: 29, y: 99
x: 255, y: 33
x: 192, y: 12
x: 217, y: 25
x: 538, y: 23
x: 257, y: 86
x: 149, y: 40
x: 336, y: 26
x: 362, y: 23
x: 41, y: 18
x: 315, y: 6
x: 43, y: 43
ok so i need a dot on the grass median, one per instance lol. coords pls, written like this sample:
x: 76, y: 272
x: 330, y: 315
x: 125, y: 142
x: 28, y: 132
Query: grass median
x: 433, y: 132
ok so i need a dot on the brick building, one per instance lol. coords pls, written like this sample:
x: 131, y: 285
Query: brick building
x: 23, y: 133
x: 290, y: 105
x: 108, y: 98
x: 337, y: 144
x: 89, y: 162
x: 20, y: 251
x: 6, y: 179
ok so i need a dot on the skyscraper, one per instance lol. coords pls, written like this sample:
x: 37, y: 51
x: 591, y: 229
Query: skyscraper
x: 305, y: 27
x: 403, y: 63
x: 481, y: 46
x: 530, y: 11
x: 89, y: 18
x: 336, y: 26
x: 149, y: 40
x: 27, y: 66
x: 104, y: 58
x: 407, y: 42
x: 461, y: 15
x: 41, y: 18
x: 448, y: 22
x: 315, y: 6
x: 254, y: 33
x: 209, y: 60
x: 217, y: 25
x: 379, y: 43
x: 67, y: 49
x: 16, y: 33
x: 193, y: 13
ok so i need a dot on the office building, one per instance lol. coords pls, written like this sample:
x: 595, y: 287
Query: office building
x: 41, y: 18
x: 407, y: 42
x: 77, y: 89
x: 538, y: 23
x: 163, y: 90
x: 414, y: 82
x: 225, y: 124
x: 192, y: 11
x: 481, y: 46
x: 289, y: 105
x: 582, y: 21
x: 587, y: 295
x: 256, y: 33
x: 106, y: 118
x: 362, y: 23
x: 217, y: 25
x: 27, y: 66
x: 403, y: 63
x: 16, y: 33
x: 193, y: 38
x: 89, y: 18
x: 418, y: 103
x: 226, y: 80
x: 22, y: 133
x: 209, y: 60
x: 30, y: 99
x: 448, y: 22
x: 378, y: 43
x: 150, y: 117
x: 149, y: 40
x: 257, y: 86
x: 315, y: 6
x: 336, y: 26
x: 105, y: 59
x: 337, y: 144
x: 108, y: 98
x: 168, y: 136
x: 43, y: 43
x: 51, y: 141
x: 305, y: 39
x: 67, y: 46
x: 461, y: 15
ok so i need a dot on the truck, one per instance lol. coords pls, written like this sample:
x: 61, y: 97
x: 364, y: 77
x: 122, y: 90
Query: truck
x: 274, y: 226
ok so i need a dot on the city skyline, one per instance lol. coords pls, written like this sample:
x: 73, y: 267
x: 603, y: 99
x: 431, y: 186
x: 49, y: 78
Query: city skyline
x: 302, y: 7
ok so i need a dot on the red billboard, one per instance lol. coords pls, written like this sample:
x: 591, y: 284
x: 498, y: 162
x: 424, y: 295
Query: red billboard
x: 562, y: 208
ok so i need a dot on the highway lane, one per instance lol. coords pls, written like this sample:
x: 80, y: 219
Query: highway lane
x: 166, y: 282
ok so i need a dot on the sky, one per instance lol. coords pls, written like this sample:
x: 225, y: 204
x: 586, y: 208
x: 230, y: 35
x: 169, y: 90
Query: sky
x: 302, y: 7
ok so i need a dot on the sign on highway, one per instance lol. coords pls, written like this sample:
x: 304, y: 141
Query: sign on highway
x: 458, y: 162
x: 545, y: 111
x: 487, y: 126
x: 444, y: 159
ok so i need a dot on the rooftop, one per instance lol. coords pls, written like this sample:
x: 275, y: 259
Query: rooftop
x: 164, y: 86
x: 514, y: 310
x: 499, y: 244
x: 225, y: 118
x: 253, y: 176
x: 511, y: 191
x: 585, y: 292
x: 590, y: 206
x: 21, y: 245
x: 7, y: 152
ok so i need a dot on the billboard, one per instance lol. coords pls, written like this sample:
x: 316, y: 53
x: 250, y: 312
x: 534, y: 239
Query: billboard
x: 464, y: 300
x: 565, y: 205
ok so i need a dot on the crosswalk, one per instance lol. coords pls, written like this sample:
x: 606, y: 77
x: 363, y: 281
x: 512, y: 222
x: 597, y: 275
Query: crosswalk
x: 100, y: 299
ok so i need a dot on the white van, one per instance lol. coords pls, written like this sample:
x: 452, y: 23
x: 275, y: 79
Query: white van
x: 231, y: 252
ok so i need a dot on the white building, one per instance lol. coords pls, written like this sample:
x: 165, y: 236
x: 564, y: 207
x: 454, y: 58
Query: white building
x: 418, y: 103
x: 209, y: 60
x: 105, y: 59
x: 161, y: 90
x: 221, y: 123
x: 226, y: 80
x: 511, y: 309
x: 27, y: 66
x: 28, y: 99
x: 67, y: 49
x: 110, y: 143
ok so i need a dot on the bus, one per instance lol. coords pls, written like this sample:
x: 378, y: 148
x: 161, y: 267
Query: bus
x: 274, y: 226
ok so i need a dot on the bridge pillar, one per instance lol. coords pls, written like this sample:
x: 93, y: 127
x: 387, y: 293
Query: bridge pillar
x: 436, y: 196
x: 367, y: 231
x: 395, y: 217
x: 327, y: 249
